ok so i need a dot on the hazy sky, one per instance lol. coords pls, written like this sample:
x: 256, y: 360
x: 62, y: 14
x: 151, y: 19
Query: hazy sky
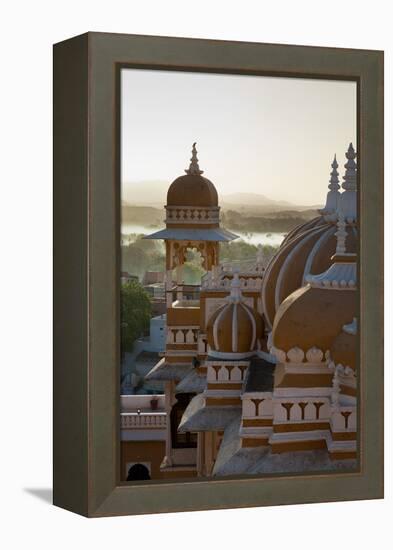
x: 273, y: 136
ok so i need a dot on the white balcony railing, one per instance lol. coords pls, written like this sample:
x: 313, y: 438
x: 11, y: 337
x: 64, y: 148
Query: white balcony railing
x: 182, y: 335
x: 223, y: 281
x: 143, y: 420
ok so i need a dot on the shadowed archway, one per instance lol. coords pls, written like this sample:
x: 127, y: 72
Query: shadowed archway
x: 138, y: 472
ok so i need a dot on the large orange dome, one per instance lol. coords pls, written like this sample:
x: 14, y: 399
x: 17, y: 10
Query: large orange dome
x: 235, y: 329
x: 192, y: 189
x: 308, y: 251
x: 312, y: 318
x: 309, y: 247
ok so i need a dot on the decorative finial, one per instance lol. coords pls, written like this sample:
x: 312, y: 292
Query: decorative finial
x: 236, y: 294
x: 341, y: 235
x: 342, y: 274
x: 334, y: 181
x: 194, y: 166
x: 348, y: 199
x: 333, y: 195
x: 350, y: 170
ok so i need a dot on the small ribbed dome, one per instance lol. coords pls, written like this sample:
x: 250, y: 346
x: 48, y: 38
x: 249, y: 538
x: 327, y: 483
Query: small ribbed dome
x: 343, y: 350
x: 235, y: 328
x: 192, y: 189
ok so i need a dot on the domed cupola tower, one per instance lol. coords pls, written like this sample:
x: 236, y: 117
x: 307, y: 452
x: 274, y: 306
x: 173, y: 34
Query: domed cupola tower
x: 234, y: 333
x: 192, y: 222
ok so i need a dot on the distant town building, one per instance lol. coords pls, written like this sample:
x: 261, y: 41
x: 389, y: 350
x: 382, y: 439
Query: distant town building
x: 157, y: 335
x: 125, y: 277
x: 158, y: 306
x: 152, y: 277
x: 155, y: 290
x: 144, y: 356
x: 143, y: 435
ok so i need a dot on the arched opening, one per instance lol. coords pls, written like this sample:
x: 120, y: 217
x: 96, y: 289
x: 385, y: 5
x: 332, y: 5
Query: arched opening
x: 187, y: 264
x: 181, y: 440
x: 138, y: 472
x: 193, y: 269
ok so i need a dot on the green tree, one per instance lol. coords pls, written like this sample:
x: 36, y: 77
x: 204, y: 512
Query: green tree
x: 238, y: 250
x: 135, y: 313
x: 142, y: 255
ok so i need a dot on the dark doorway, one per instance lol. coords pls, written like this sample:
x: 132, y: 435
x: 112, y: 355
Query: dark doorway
x: 138, y: 472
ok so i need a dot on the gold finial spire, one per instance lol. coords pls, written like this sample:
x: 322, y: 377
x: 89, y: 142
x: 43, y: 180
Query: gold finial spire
x: 194, y: 166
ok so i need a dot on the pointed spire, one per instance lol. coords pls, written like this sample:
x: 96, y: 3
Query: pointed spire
x: 350, y: 170
x: 348, y: 199
x: 333, y: 195
x: 342, y: 274
x: 194, y: 166
x: 334, y: 181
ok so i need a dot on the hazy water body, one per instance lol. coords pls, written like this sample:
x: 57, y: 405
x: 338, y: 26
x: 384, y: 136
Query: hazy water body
x: 273, y: 239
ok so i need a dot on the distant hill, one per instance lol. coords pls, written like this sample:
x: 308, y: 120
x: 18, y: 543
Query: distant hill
x: 145, y: 193
x: 142, y: 215
x: 236, y: 219
x: 153, y: 193
x: 307, y: 213
x: 254, y: 199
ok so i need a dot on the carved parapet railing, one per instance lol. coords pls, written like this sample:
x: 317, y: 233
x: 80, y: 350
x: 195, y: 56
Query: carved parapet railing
x: 223, y: 281
x: 199, y: 215
x: 143, y: 420
x: 257, y: 406
x: 182, y: 335
x: 228, y: 372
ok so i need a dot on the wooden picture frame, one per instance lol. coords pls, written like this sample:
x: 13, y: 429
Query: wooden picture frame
x: 86, y: 272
